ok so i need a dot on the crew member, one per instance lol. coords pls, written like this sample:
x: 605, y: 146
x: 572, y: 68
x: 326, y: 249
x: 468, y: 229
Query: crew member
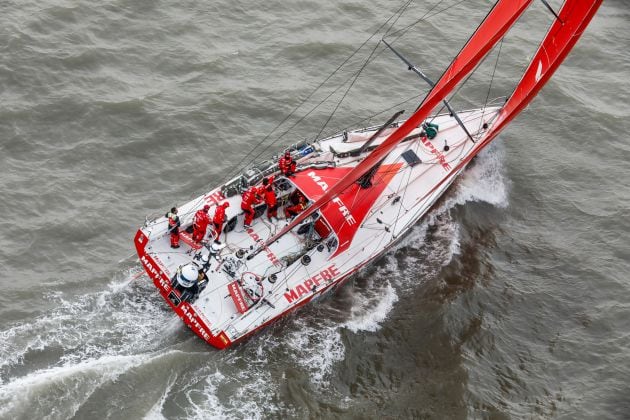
x: 173, y: 226
x: 287, y: 164
x: 219, y: 218
x: 249, y: 198
x: 293, y: 211
x: 269, y: 196
x: 200, y: 224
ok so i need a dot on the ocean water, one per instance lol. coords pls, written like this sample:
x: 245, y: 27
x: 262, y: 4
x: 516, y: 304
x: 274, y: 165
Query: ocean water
x: 511, y: 299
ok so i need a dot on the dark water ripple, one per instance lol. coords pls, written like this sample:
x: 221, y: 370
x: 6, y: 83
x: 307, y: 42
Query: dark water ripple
x: 511, y: 301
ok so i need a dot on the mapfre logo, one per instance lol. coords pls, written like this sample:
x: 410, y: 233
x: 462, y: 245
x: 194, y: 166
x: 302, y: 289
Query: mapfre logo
x: 318, y: 180
x: 343, y: 209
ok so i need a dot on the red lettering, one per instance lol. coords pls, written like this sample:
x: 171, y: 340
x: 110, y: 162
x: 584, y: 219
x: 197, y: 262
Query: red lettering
x: 333, y: 270
x: 308, y: 284
x: 301, y: 290
x: 274, y: 260
x: 253, y: 234
x: 291, y: 296
x: 316, y: 279
x: 326, y: 275
x: 215, y: 197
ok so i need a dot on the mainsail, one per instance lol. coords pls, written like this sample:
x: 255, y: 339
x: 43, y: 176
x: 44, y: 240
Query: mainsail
x: 575, y: 16
x: 498, y: 21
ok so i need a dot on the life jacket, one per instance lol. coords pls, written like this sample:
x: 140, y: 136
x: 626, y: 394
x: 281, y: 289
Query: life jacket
x: 201, y: 219
x: 249, y: 197
x: 286, y: 165
x: 270, y: 196
x: 219, y: 215
x: 173, y: 221
x: 298, y: 208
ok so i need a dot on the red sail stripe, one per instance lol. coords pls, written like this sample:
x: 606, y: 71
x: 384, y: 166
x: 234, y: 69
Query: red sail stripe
x: 576, y: 15
x: 492, y: 29
x: 554, y: 48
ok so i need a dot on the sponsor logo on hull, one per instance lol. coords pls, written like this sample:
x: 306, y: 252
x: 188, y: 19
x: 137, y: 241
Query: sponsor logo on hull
x: 438, y: 155
x: 215, y: 197
x: 323, y: 277
x: 343, y: 209
x: 270, y: 255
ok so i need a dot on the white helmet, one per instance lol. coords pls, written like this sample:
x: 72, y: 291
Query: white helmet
x: 216, y: 247
x: 187, y: 275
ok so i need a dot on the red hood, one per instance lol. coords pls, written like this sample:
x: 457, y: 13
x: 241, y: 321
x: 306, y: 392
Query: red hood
x: 346, y: 212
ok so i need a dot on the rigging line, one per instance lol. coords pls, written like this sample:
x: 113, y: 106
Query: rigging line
x: 552, y: 11
x: 348, y: 89
x: 328, y: 97
x: 424, y: 77
x: 402, y: 11
x: 313, y: 92
x: 448, y: 68
x: 425, y: 17
x: 402, y: 199
x: 461, y: 85
x: 317, y: 106
x: 356, y: 123
x: 306, y: 115
x: 353, y: 75
x: 485, y: 105
x: 528, y: 60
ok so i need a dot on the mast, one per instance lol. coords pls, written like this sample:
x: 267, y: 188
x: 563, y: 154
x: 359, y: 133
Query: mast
x: 492, y: 29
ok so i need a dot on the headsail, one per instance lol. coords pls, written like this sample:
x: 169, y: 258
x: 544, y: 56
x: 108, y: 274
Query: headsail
x: 575, y: 16
x: 498, y: 21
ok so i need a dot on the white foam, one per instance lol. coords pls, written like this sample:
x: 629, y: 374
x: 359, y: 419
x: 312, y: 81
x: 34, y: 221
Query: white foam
x: 252, y: 391
x: 81, y: 327
x: 484, y: 180
x: 205, y: 404
x: 368, y: 314
x: 317, y: 349
x: 75, y: 382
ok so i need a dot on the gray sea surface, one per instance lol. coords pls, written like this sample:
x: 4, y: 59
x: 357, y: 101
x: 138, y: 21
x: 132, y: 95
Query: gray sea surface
x: 511, y: 299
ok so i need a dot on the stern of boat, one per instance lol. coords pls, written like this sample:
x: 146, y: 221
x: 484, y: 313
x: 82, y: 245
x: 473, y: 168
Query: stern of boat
x: 185, y: 310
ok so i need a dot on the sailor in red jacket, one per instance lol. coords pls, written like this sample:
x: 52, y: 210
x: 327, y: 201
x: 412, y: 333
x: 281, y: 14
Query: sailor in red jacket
x: 287, y: 164
x: 250, y: 197
x: 269, y: 195
x: 173, y: 226
x: 290, y: 212
x: 200, y: 224
x: 219, y: 218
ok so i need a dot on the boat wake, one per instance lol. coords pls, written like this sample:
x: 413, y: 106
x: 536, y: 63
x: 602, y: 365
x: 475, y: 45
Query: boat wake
x: 72, y: 350
x: 89, y: 343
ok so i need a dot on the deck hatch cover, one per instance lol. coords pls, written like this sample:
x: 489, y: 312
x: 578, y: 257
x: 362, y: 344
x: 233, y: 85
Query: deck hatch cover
x: 411, y: 158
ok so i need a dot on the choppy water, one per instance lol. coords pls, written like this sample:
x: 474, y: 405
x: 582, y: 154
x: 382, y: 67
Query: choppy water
x: 511, y: 300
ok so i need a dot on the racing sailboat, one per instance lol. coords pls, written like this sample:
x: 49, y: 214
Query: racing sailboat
x: 362, y: 189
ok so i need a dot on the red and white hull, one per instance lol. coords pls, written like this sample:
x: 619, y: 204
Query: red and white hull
x: 361, y: 199
x: 316, y: 257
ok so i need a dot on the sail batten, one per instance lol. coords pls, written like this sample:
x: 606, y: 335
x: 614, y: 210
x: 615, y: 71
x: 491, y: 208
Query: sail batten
x: 491, y: 30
